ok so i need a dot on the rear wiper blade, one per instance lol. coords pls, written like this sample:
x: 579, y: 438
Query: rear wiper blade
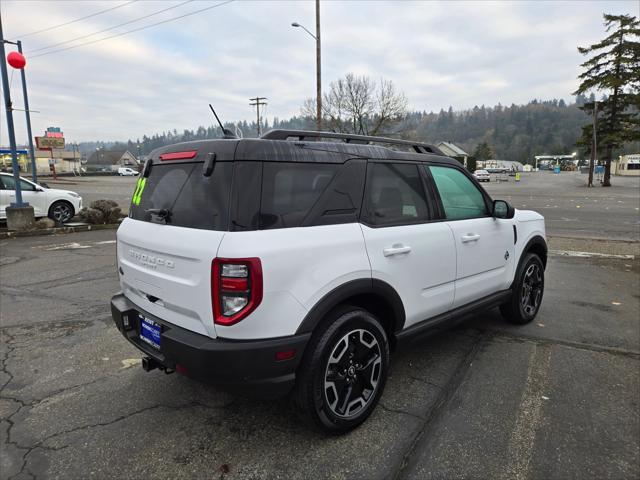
x: 159, y: 215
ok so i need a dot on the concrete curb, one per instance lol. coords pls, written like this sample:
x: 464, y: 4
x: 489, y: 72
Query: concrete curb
x: 61, y: 230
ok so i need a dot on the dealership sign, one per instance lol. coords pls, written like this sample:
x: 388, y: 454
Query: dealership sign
x: 53, y: 138
x: 47, y: 143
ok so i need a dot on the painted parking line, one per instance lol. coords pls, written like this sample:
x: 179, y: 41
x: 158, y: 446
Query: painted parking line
x: 572, y: 253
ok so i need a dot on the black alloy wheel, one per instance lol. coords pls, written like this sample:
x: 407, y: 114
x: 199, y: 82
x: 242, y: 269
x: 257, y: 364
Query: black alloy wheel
x: 353, y: 373
x: 528, y: 289
x: 344, y: 370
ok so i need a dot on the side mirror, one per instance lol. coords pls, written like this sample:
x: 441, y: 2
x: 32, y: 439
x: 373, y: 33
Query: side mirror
x: 503, y: 209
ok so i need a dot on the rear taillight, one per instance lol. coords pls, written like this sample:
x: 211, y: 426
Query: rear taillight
x: 236, y: 288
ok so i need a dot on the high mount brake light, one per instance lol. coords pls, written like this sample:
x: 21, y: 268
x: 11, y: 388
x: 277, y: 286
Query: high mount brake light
x: 236, y: 288
x: 178, y: 155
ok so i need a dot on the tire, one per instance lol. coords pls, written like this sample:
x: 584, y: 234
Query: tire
x: 528, y: 289
x: 61, y: 211
x: 350, y: 353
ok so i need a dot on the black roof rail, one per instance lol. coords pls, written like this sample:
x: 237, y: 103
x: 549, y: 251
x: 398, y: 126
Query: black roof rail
x: 282, y: 134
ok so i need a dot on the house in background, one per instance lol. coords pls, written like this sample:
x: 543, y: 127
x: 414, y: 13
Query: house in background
x: 105, y: 160
x: 628, y: 165
x: 453, y: 151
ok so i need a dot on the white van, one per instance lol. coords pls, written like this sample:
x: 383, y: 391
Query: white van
x: 126, y: 172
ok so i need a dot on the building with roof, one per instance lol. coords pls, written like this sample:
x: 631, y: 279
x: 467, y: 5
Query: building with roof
x: 64, y: 160
x: 453, y: 151
x: 627, y: 165
x: 111, y: 160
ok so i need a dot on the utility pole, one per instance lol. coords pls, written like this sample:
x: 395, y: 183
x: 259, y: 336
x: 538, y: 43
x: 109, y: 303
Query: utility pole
x: 594, y: 146
x: 10, y: 129
x: 318, y: 72
x: 257, y: 102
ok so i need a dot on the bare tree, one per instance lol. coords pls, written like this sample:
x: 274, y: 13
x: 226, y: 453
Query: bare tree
x: 358, y: 104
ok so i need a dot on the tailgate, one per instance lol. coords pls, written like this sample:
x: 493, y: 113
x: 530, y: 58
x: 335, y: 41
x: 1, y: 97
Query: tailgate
x: 166, y: 270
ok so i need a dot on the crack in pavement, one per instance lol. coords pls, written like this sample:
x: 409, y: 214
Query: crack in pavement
x: 400, y: 411
x: 27, y: 450
x: 564, y: 343
x: 442, y: 400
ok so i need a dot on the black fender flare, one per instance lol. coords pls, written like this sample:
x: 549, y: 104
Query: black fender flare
x: 363, y: 286
x: 535, y: 241
x: 539, y: 241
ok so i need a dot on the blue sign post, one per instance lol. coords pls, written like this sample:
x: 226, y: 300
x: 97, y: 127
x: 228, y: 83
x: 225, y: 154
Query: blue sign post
x: 12, y: 134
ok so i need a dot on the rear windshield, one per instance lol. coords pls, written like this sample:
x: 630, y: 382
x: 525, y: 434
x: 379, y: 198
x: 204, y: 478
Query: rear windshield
x: 179, y: 194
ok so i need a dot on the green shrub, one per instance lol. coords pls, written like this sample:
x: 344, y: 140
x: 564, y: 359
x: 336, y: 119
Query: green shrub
x: 101, y: 212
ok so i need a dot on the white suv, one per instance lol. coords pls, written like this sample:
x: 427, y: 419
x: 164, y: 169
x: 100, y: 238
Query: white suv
x: 286, y: 263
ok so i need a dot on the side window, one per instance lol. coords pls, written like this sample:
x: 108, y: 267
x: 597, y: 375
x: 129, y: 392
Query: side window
x: 290, y: 190
x: 460, y: 197
x: 394, y: 194
x: 8, y: 183
x: 27, y: 187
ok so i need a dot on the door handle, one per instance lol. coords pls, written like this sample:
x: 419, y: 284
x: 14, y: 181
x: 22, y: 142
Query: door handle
x: 470, y: 237
x: 396, y: 249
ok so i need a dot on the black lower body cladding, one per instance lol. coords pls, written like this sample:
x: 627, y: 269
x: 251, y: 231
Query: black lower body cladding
x: 248, y: 367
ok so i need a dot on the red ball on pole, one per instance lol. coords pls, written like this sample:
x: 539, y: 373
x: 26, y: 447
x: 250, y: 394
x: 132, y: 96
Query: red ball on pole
x: 16, y: 60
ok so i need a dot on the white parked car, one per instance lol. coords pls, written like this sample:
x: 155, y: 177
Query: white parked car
x: 126, y: 171
x: 58, y: 205
x: 283, y: 264
x: 482, y: 176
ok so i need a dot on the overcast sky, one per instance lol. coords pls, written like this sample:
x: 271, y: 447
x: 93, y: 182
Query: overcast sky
x: 439, y: 53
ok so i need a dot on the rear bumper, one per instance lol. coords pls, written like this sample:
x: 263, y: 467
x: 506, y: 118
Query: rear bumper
x: 247, y: 367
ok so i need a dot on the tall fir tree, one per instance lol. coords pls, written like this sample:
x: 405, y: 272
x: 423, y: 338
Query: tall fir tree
x: 614, y: 69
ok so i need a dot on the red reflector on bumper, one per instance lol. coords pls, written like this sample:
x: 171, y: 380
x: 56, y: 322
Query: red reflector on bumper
x: 285, y: 355
x: 178, y: 155
x: 181, y: 369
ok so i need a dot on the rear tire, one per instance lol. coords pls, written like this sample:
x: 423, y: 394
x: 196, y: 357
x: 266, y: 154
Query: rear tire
x: 528, y: 289
x: 343, y: 372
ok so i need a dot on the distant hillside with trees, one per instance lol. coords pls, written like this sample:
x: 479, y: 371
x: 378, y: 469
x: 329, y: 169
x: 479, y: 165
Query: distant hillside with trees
x: 515, y: 132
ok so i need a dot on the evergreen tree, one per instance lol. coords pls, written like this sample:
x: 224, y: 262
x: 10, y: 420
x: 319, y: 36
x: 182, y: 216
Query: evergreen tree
x: 614, y: 68
x: 483, y: 152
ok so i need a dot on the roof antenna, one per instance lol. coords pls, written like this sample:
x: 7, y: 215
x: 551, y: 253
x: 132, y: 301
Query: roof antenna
x: 225, y: 132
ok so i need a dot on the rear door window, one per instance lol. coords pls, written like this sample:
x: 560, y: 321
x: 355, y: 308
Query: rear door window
x: 394, y: 195
x: 178, y: 194
x: 290, y: 190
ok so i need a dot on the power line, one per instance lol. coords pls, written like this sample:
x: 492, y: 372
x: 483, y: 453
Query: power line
x: 76, y: 20
x: 110, y: 28
x: 133, y: 30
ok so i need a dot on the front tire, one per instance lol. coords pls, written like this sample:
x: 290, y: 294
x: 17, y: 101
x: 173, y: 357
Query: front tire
x: 344, y: 371
x: 528, y: 289
x: 61, y: 211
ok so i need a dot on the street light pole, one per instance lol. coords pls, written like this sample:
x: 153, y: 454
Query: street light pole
x: 12, y: 134
x: 316, y: 37
x: 318, y: 71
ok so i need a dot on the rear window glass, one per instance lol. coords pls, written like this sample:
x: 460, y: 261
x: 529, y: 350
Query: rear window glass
x: 395, y: 195
x: 178, y: 194
x: 290, y: 190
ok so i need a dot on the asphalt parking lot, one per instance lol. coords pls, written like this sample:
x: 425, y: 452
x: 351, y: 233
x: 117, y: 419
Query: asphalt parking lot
x: 558, y: 398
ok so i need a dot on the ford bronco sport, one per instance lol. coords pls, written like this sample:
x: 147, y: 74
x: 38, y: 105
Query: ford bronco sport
x: 298, y: 261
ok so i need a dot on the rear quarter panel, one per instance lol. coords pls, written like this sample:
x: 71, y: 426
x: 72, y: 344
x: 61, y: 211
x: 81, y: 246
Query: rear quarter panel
x: 300, y: 266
